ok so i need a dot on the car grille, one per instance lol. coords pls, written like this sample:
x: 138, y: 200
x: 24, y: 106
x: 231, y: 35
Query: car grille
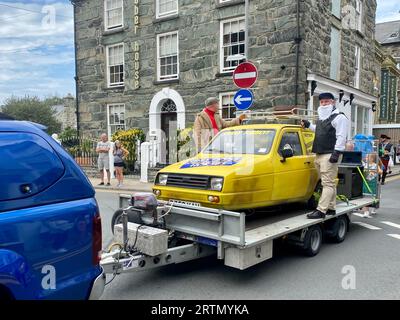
x: 188, y: 181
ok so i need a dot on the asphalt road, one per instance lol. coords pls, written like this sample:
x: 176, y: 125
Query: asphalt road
x: 365, y: 266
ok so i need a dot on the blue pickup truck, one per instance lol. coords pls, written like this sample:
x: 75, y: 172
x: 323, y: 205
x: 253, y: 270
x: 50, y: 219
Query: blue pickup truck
x: 50, y: 227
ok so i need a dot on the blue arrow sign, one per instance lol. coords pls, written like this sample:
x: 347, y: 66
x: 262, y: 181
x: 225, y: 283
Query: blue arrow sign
x: 243, y: 99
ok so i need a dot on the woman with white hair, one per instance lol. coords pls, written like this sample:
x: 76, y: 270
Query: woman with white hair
x: 119, y: 156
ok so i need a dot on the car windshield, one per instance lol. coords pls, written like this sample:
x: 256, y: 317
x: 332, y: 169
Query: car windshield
x: 246, y: 141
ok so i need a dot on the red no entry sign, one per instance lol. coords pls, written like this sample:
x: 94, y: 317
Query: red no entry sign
x: 245, y: 75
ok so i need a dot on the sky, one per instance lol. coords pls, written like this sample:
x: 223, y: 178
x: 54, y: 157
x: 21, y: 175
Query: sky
x: 37, y: 47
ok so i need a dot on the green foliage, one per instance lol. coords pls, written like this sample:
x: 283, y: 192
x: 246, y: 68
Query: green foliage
x: 183, y: 145
x: 68, y: 133
x: 128, y: 139
x: 35, y: 110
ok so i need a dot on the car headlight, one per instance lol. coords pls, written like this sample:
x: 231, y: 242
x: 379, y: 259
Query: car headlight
x: 162, y: 179
x: 216, y: 184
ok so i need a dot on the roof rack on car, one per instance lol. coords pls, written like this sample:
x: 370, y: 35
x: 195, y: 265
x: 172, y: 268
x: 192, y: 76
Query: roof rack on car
x: 293, y: 115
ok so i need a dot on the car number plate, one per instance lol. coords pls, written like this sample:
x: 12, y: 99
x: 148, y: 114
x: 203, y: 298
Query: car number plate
x: 188, y: 203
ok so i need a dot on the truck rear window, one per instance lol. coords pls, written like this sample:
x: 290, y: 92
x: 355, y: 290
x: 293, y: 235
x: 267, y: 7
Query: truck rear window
x: 246, y: 141
x: 28, y: 165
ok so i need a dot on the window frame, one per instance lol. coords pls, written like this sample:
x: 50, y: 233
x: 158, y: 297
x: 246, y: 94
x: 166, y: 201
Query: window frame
x: 337, y: 52
x: 333, y: 12
x: 221, y: 43
x: 303, y: 153
x: 172, y: 76
x: 359, y: 14
x: 117, y: 26
x: 166, y: 14
x: 357, y: 67
x: 221, y: 95
x: 119, y: 84
x: 109, y: 125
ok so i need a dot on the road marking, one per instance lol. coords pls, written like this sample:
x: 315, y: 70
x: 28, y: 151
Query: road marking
x: 366, y: 225
x: 396, y: 236
x: 391, y: 224
x: 358, y: 214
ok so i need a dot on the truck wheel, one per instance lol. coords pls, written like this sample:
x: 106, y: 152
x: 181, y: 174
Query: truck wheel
x: 312, y: 241
x: 339, y: 229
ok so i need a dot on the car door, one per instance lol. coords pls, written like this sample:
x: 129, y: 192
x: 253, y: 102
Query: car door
x: 292, y: 176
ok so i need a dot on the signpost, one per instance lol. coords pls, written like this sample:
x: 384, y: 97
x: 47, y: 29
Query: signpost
x: 245, y: 75
x: 243, y: 99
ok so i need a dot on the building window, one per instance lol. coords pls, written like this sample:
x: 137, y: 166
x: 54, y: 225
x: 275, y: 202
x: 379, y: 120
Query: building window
x: 232, y: 43
x: 359, y: 15
x: 335, y: 53
x: 168, y: 56
x: 227, y: 107
x: 166, y: 8
x: 335, y: 8
x: 357, y: 65
x: 116, y: 118
x: 115, y: 65
x: 114, y: 14
x: 353, y: 121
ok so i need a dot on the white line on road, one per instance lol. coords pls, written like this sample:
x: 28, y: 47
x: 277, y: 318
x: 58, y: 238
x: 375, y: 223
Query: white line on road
x: 391, y: 224
x: 245, y: 75
x: 366, y: 225
x: 396, y: 236
x: 358, y: 214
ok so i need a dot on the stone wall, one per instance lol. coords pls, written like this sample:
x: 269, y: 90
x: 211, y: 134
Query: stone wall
x: 272, y: 34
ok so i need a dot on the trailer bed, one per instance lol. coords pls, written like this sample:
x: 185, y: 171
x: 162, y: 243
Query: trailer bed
x: 278, y: 225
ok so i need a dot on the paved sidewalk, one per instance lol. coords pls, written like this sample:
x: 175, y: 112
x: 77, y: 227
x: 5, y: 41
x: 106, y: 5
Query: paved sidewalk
x: 129, y: 185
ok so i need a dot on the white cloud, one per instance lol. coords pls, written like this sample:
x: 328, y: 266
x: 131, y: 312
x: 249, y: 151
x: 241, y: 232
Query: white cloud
x: 387, y: 10
x: 36, y: 59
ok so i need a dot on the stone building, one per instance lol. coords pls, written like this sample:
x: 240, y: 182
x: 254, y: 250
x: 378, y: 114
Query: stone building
x: 66, y: 112
x: 148, y: 63
x: 388, y: 115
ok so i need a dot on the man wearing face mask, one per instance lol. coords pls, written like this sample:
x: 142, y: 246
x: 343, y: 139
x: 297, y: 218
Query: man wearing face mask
x: 329, y: 143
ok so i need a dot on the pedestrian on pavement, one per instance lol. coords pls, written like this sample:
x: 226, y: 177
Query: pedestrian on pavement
x: 372, y: 170
x: 387, y: 165
x: 398, y: 153
x: 103, y: 161
x: 208, y: 123
x: 119, y: 164
x: 329, y: 143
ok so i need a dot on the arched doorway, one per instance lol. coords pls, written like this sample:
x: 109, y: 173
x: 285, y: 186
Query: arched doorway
x: 169, y: 127
x: 167, y: 107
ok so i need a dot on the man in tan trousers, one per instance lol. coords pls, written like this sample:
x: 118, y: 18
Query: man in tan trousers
x: 208, y: 123
x: 329, y: 143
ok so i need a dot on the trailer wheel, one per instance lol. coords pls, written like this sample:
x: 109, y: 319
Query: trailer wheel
x: 339, y: 229
x: 116, y: 219
x: 312, y: 241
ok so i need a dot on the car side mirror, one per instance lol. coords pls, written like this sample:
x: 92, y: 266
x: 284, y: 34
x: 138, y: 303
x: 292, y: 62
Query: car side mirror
x: 286, y: 153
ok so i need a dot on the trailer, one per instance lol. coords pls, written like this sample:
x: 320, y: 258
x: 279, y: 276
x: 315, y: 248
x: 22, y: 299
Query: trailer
x: 151, y: 233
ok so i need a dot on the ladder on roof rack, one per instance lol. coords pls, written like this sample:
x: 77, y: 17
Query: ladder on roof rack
x: 276, y: 116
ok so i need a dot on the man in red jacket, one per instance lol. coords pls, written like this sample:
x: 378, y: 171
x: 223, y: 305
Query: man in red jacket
x: 208, y: 123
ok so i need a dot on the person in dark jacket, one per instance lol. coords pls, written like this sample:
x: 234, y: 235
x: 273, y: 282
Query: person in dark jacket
x: 330, y: 141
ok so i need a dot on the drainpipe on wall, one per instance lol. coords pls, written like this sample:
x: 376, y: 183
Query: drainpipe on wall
x: 74, y: 3
x: 298, y: 42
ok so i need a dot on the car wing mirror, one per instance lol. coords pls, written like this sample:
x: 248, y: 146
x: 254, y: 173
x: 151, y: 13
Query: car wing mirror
x: 286, y: 152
